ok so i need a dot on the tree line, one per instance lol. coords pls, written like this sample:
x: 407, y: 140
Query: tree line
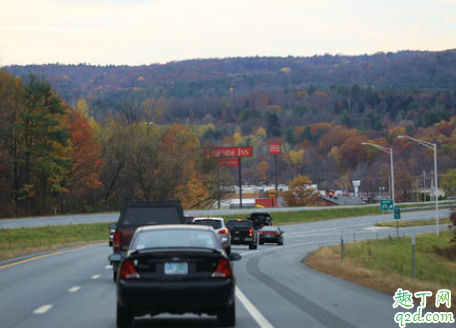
x: 57, y: 159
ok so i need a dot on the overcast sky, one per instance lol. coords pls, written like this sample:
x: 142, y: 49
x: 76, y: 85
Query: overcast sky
x: 138, y: 32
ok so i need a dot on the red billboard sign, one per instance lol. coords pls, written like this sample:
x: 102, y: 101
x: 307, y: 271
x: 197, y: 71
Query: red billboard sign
x: 231, y: 152
x: 274, y: 148
x: 228, y: 162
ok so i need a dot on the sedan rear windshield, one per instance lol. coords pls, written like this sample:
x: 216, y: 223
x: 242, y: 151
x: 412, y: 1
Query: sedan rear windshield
x: 269, y: 229
x: 175, y: 238
x: 138, y: 216
x: 212, y: 223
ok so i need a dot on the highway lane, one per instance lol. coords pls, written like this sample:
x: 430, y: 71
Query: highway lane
x: 113, y: 217
x: 78, y: 286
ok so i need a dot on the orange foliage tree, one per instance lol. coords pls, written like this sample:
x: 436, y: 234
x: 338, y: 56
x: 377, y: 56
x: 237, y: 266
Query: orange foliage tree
x: 300, y: 192
x: 85, y: 162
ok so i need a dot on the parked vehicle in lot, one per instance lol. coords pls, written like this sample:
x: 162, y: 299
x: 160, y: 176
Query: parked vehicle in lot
x: 137, y: 214
x: 220, y: 227
x: 271, y: 234
x: 260, y: 220
x: 243, y: 233
x: 176, y: 269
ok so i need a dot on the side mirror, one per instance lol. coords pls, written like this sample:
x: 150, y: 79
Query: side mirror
x: 113, y: 226
x: 235, y: 257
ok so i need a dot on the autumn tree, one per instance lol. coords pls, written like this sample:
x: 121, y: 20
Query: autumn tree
x: 449, y: 182
x: 300, y: 192
x: 11, y: 105
x: 45, y: 124
x: 86, y: 163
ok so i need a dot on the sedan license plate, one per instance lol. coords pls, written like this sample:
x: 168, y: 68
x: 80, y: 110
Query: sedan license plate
x: 176, y: 268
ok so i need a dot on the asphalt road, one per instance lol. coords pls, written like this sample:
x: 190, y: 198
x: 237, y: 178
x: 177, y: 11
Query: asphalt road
x: 74, y: 288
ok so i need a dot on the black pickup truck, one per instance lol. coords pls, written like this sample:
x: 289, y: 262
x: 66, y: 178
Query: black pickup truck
x: 243, y: 233
x: 260, y: 219
x: 138, y: 214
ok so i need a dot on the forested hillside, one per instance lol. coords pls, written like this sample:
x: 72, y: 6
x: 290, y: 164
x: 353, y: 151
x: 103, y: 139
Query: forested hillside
x: 146, y: 127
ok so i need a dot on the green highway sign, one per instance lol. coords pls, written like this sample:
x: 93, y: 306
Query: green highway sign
x: 397, y: 213
x: 386, y: 205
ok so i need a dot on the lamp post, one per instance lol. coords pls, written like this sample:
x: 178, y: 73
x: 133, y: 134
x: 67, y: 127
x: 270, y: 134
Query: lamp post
x: 388, y: 151
x: 434, y: 147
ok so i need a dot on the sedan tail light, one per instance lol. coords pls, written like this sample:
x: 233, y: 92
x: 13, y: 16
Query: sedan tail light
x: 128, y: 271
x: 116, y: 239
x: 223, y: 269
x: 277, y: 234
x: 224, y: 232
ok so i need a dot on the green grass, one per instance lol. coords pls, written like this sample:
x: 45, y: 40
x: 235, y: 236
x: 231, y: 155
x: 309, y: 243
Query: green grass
x: 386, y: 264
x: 314, y: 215
x: 393, y: 255
x: 20, y: 241
x: 414, y: 223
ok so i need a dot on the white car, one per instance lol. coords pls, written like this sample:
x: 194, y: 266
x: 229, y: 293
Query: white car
x: 220, y: 227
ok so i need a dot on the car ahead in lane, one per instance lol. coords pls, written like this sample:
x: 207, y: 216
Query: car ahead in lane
x: 243, y: 233
x: 220, y: 227
x: 271, y: 234
x: 260, y: 219
x: 136, y: 214
x: 176, y: 269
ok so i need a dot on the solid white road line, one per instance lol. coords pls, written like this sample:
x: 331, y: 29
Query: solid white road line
x: 74, y: 289
x: 95, y: 276
x: 108, y: 267
x: 43, y: 309
x: 259, y: 318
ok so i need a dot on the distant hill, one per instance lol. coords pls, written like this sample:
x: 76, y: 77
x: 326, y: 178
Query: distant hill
x: 239, y: 76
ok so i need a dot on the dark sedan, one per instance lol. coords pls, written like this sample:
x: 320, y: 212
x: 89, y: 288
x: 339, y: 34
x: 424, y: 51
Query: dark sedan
x: 271, y: 234
x: 176, y: 269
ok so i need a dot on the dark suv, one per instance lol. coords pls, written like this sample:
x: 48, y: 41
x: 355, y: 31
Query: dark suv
x: 138, y: 214
x: 243, y: 233
x: 260, y: 220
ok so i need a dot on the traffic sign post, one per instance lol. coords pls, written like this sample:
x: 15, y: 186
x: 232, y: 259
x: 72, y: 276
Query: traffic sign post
x: 274, y: 149
x: 386, y: 205
x: 397, y: 217
x: 239, y: 152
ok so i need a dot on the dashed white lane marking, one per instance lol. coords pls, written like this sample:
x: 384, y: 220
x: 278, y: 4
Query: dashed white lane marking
x: 95, y: 276
x: 256, y: 315
x: 74, y: 289
x: 43, y: 309
x: 108, y: 267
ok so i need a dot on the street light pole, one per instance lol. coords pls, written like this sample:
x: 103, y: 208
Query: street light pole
x: 432, y: 146
x: 388, y: 151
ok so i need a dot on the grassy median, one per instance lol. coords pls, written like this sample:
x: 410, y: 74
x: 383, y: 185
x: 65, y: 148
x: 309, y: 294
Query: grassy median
x: 22, y: 241
x: 414, y: 223
x: 324, y: 214
x: 386, y: 264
